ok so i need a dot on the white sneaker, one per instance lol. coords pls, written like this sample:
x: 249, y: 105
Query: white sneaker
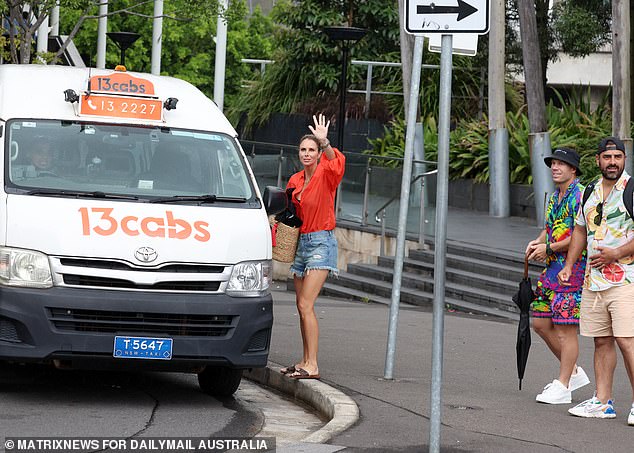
x: 578, y: 380
x: 555, y: 393
x: 630, y: 418
x: 593, y: 408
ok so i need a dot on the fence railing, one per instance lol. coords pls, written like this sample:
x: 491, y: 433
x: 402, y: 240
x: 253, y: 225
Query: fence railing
x: 371, y: 183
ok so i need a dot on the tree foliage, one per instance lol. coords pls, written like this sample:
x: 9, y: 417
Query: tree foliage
x: 23, y: 18
x: 308, y: 64
x: 188, y: 47
x: 580, y: 27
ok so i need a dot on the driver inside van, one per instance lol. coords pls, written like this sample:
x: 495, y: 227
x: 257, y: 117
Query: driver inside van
x: 42, y: 157
x: 39, y: 161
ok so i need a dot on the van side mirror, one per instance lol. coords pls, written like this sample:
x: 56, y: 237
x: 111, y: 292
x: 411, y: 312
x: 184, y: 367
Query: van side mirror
x: 274, y: 199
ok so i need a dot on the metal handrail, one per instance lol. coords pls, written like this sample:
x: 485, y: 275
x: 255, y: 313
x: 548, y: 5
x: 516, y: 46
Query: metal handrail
x: 421, y: 232
x: 394, y: 198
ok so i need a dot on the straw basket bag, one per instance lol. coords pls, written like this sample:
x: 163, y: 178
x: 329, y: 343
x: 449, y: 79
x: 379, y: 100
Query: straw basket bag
x: 284, y: 241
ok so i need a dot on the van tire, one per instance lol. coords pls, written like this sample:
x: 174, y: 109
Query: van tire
x: 219, y: 381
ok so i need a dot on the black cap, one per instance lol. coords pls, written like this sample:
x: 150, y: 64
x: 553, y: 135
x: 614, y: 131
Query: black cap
x: 610, y: 143
x: 567, y: 155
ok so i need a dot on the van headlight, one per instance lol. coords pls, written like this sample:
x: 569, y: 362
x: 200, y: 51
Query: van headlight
x: 250, y: 279
x: 26, y: 268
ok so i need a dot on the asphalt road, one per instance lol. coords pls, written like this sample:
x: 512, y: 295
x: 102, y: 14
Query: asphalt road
x: 42, y: 401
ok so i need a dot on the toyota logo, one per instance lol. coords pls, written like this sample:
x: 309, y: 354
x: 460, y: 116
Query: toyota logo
x: 145, y: 254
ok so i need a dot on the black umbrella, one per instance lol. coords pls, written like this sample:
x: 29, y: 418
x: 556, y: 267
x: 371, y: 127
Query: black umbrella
x: 523, y: 300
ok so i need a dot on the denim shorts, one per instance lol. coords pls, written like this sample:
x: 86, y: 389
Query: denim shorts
x: 317, y: 250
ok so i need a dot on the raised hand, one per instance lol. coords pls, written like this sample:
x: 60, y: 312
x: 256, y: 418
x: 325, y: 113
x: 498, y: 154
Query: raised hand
x: 320, y: 131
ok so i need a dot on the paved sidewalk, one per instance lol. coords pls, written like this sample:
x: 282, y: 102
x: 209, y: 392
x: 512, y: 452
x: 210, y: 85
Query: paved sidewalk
x: 482, y: 408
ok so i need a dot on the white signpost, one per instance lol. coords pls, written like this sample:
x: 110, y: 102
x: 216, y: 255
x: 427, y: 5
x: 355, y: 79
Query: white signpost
x: 422, y: 17
x: 447, y: 16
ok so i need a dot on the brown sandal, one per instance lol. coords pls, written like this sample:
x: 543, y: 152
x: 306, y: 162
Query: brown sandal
x: 301, y: 373
x: 288, y: 370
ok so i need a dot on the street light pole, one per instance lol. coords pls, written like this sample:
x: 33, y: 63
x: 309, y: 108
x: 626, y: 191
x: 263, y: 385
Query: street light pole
x: 342, y: 95
x: 344, y: 35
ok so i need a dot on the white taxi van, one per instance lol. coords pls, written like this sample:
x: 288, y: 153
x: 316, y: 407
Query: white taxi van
x: 132, y: 231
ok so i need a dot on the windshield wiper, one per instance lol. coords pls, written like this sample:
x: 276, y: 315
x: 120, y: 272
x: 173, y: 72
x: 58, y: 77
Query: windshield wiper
x: 199, y: 198
x: 80, y: 194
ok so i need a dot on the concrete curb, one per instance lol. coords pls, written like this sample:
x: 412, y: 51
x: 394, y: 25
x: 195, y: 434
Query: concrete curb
x: 339, y: 408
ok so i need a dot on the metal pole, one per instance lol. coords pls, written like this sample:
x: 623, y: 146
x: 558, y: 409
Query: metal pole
x: 421, y: 220
x: 419, y: 155
x: 383, y: 232
x: 342, y: 96
x: 157, y: 37
x: 102, y: 28
x: 368, y: 91
x: 366, y: 193
x: 42, y: 38
x: 539, y: 144
x: 342, y: 116
x: 55, y: 20
x: 621, y: 77
x: 499, y: 188
x: 402, y: 214
x: 279, y: 168
x: 221, y: 57
x: 442, y: 197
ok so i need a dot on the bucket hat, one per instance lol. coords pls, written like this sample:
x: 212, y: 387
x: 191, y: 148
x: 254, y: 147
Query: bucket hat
x: 567, y: 155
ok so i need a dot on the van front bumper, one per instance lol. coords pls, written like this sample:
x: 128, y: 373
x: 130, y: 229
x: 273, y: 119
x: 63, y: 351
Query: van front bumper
x: 77, y: 327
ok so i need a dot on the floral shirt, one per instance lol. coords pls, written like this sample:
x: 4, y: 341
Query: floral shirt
x: 615, y: 229
x: 560, y: 221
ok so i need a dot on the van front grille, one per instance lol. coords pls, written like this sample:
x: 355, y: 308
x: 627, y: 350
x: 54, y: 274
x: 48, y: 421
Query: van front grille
x: 119, y: 265
x: 171, y: 324
x: 105, y: 282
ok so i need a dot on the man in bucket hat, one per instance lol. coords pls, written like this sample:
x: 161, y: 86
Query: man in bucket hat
x: 556, y: 307
x: 606, y: 229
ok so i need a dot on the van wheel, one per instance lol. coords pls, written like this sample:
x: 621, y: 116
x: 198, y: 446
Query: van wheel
x: 219, y: 381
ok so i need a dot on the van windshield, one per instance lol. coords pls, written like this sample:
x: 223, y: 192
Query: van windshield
x: 45, y: 156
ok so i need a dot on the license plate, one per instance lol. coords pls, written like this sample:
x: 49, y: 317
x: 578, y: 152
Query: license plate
x: 142, y: 348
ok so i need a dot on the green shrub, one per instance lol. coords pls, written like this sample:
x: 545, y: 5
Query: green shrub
x: 574, y: 124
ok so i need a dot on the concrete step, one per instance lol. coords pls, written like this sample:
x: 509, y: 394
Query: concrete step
x: 421, y: 291
x: 489, y: 268
x: 414, y: 279
x: 485, y: 253
x: 462, y: 277
x: 333, y: 289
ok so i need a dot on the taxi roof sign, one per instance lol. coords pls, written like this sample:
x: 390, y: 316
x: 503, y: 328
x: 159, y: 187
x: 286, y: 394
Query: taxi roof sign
x: 120, y: 82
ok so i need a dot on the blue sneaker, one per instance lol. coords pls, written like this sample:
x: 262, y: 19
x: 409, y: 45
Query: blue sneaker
x: 593, y: 408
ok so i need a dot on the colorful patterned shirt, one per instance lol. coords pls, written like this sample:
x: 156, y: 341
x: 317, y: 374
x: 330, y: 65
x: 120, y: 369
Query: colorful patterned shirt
x: 616, y: 228
x: 560, y: 221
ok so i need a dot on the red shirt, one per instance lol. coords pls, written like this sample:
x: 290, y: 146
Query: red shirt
x: 317, y: 205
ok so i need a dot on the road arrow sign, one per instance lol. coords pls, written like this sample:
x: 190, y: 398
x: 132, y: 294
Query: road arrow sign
x: 463, y: 9
x: 447, y: 16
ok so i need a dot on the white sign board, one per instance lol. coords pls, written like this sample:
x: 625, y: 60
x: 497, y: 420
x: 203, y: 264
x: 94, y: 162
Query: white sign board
x: 447, y: 16
x: 461, y: 44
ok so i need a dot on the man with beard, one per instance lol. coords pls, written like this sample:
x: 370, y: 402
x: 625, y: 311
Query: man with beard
x: 607, y: 302
x: 556, y: 307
